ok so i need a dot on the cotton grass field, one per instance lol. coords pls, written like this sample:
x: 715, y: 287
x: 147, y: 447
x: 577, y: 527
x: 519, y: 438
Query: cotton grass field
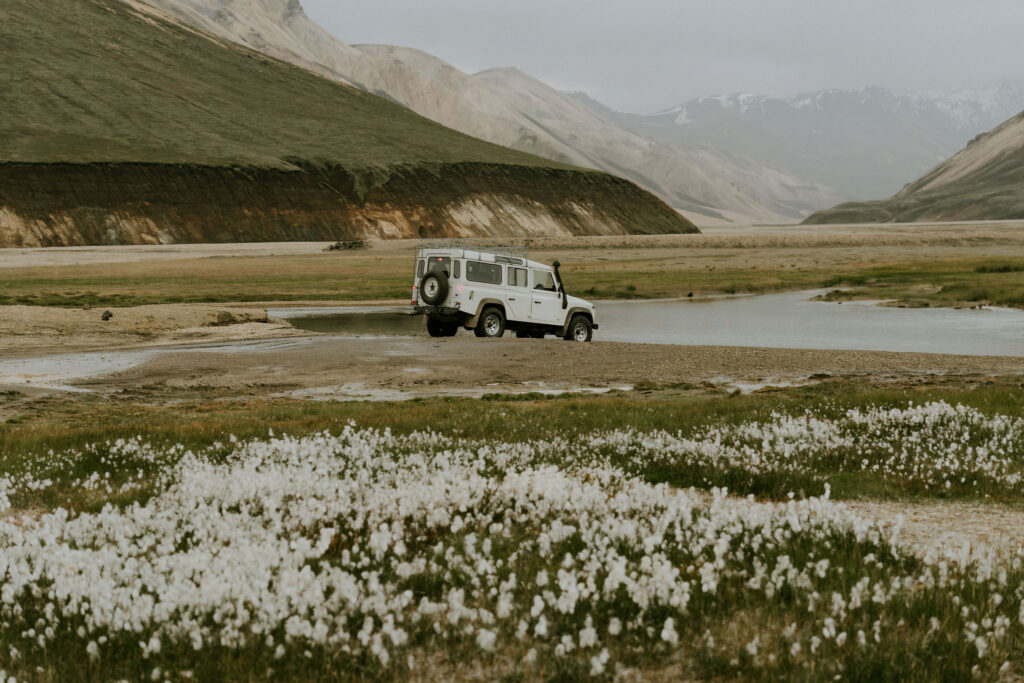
x: 358, y: 552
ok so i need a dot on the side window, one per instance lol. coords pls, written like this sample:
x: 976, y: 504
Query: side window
x: 487, y: 273
x: 420, y: 267
x: 543, y: 279
x: 517, y: 277
x: 456, y: 268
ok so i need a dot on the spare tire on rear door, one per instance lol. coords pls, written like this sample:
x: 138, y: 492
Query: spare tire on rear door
x: 434, y: 287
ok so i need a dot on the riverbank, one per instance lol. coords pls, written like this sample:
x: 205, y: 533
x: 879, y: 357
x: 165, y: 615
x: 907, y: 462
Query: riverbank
x: 941, y: 264
x: 30, y: 331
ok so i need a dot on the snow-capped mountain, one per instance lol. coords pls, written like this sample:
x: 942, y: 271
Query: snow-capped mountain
x: 975, y: 109
x: 867, y: 142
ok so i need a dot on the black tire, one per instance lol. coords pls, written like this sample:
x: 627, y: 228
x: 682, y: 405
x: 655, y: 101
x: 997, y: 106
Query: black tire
x: 441, y: 328
x: 435, y: 328
x: 523, y: 334
x: 579, y: 329
x: 434, y: 287
x: 491, y: 323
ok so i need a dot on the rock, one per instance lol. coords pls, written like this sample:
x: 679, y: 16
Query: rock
x: 107, y: 315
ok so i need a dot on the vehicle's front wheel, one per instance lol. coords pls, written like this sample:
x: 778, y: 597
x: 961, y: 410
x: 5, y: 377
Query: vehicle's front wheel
x: 491, y: 323
x: 579, y: 329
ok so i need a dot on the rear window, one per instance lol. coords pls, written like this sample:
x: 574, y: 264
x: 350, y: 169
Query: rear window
x: 488, y: 273
x: 455, y: 269
x: 517, y: 277
x: 420, y: 267
x: 443, y: 263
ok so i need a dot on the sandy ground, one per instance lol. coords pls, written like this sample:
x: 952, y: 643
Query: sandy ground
x: 36, y: 330
x: 950, y: 526
x: 321, y: 367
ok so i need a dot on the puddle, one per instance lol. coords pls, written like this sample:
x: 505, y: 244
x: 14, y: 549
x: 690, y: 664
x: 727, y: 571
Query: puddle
x: 792, y: 320
x: 62, y: 370
x: 57, y: 372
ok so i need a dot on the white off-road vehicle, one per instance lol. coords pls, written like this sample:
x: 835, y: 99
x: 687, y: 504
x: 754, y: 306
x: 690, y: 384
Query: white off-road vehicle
x: 493, y: 289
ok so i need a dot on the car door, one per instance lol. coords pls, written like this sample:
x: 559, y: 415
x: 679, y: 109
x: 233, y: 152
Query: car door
x: 545, y: 302
x: 517, y: 294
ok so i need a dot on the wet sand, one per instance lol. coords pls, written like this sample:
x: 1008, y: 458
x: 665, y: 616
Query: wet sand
x: 407, y: 367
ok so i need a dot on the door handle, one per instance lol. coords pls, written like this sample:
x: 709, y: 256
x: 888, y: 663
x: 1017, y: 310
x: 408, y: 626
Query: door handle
x: 537, y: 302
x: 511, y: 298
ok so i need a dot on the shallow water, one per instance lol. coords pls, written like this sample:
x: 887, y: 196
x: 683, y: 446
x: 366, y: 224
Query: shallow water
x: 61, y: 371
x: 790, y: 320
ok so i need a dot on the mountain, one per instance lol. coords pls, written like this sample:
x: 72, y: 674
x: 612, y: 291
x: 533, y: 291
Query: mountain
x: 509, y: 108
x: 121, y: 124
x: 984, y: 181
x: 865, y: 143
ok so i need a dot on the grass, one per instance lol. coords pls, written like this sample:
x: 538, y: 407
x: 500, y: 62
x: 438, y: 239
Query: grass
x: 965, y: 283
x: 385, y: 273
x: 220, y: 279
x: 154, y: 91
x: 84, y: 426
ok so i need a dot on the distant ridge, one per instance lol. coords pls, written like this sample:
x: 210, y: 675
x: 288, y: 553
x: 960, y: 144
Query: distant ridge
x: 984, y: 181
x: 123, y: 125
x: 865, y: 143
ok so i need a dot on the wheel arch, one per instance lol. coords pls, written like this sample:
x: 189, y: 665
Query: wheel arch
x: 570, y: 313
x: 481, y: 305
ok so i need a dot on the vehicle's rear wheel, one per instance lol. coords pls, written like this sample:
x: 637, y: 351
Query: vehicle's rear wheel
x: 435, y: 328
x: 440, y: 328
x: 579, y: 329
x: 491, y: 323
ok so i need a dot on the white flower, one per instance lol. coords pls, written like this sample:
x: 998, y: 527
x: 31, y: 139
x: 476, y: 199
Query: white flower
x: 485, y: 639
x: 668, y: 632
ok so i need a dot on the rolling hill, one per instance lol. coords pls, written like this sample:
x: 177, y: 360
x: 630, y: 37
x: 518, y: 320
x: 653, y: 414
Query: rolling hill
x: 984, y: 181
x: 121, y: 124
x: 512, y: 109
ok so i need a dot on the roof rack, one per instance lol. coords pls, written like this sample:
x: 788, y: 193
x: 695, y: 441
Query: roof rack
x: 477, y: 244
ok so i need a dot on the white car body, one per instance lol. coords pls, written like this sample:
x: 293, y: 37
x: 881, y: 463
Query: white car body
x: 529, y: 294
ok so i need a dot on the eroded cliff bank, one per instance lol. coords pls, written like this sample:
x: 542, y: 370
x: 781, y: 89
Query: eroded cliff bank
x: 86, y: 204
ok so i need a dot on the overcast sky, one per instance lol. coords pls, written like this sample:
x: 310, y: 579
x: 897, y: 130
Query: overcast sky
x: 648, y: 55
